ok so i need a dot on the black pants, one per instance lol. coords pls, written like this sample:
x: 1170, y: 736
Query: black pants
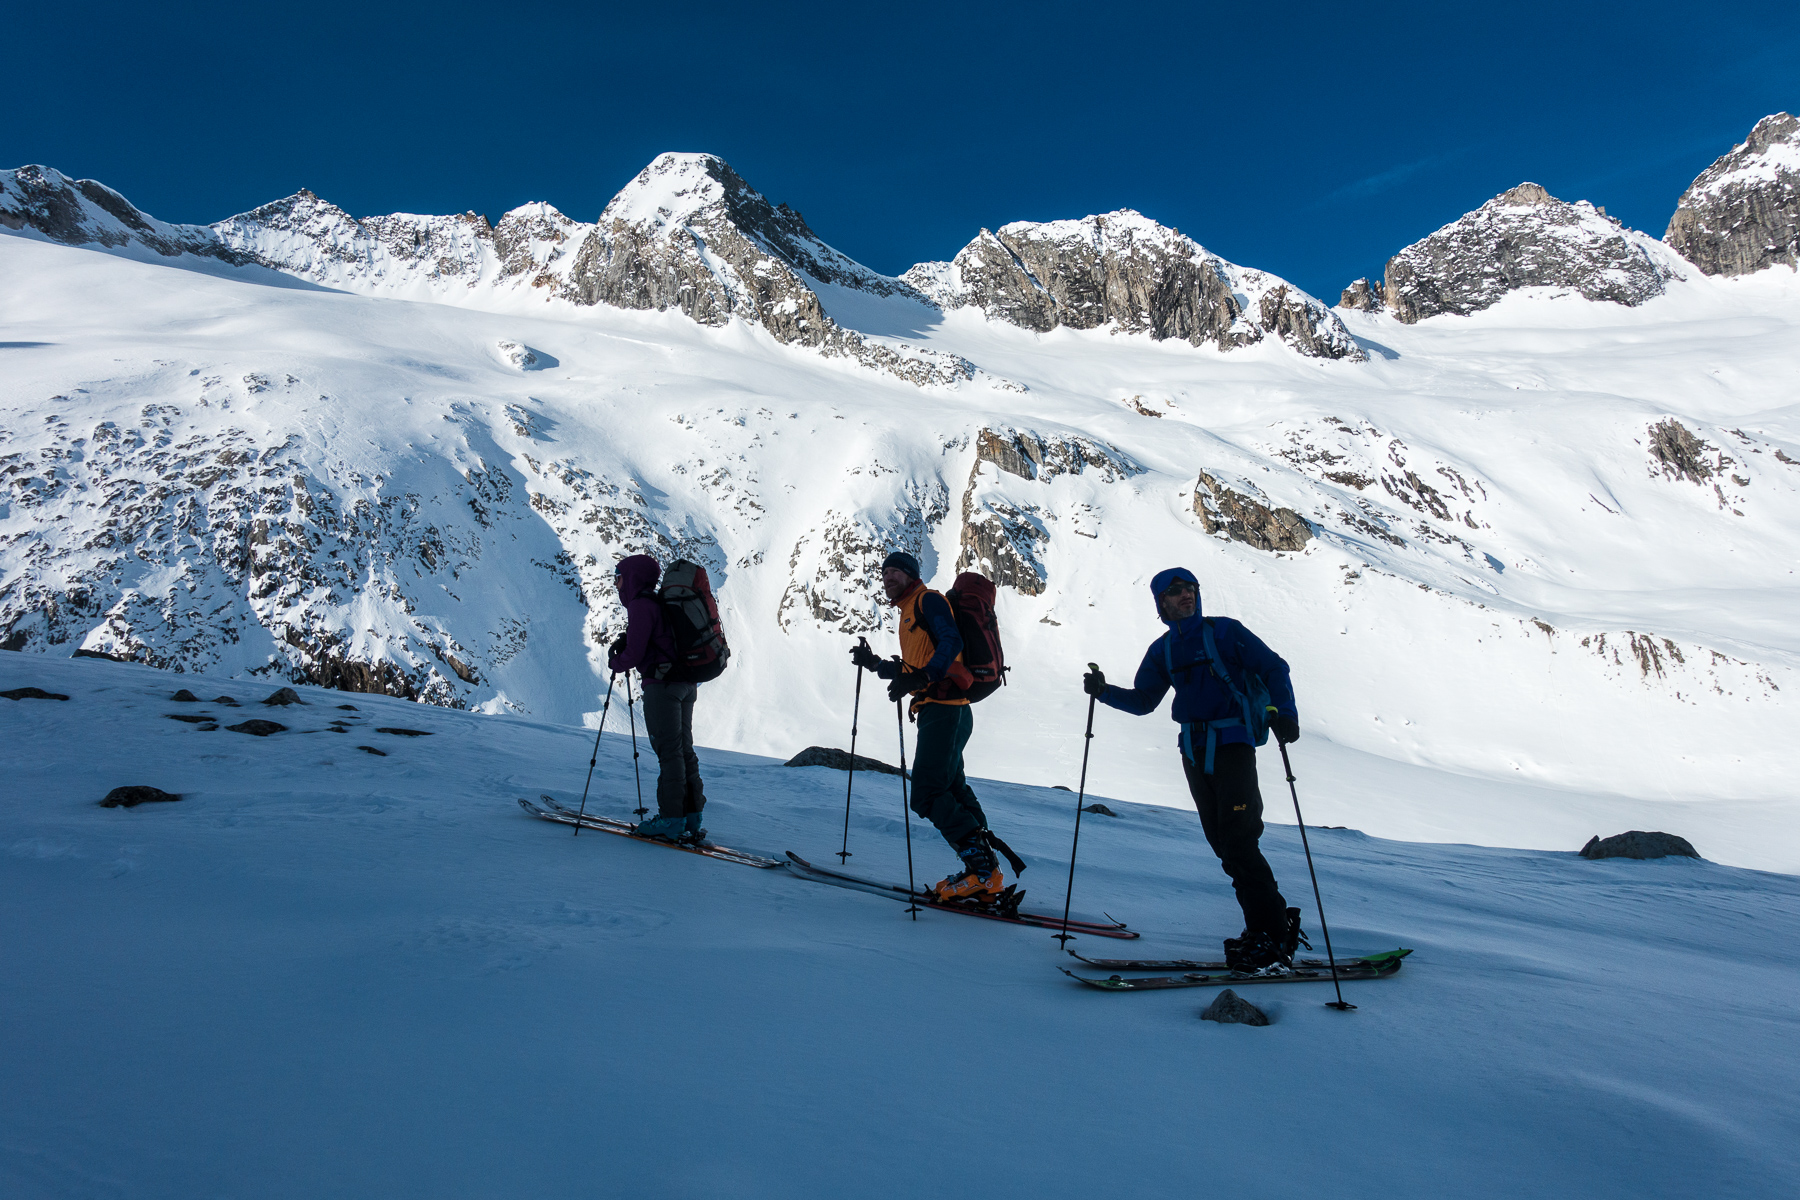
x: 669, y: 720
x: 1230, y: 807
x: 940, y: 792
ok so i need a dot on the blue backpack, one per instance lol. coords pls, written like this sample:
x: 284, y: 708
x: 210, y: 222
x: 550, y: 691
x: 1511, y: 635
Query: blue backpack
x: 1252, y: 699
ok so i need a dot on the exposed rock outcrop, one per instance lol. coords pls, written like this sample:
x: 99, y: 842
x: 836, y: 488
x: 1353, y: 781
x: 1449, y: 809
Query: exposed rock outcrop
x: 1742, y: 214
x: 838, y: 760
x: 1526, y: 238
x: 1637, y: 843
x: 1229, y: 1008
x: 1125, y: 271
x: 132, y: 795
x: 1364, y: 295
x: 1232, y: 512
x: 1679, y: 453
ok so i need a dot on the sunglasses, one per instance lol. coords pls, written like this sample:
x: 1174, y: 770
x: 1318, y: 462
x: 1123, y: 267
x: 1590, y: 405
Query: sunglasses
x: 1179, y: 586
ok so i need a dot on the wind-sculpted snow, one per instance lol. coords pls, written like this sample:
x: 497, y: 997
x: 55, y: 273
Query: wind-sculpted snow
x: 1126, y: 272
x: 1742, y: 214
x: 1526, y: 238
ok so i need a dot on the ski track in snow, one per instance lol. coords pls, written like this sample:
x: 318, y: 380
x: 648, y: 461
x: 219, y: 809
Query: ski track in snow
x: 324, y: 972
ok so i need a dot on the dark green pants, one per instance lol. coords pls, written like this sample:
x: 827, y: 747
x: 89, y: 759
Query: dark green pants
x: 940, y: 792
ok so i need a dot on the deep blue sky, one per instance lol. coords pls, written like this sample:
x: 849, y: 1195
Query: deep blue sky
x: 1311, y: 140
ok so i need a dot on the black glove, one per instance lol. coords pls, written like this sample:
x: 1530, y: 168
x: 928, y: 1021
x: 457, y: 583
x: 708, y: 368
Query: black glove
x: 888, y: 668
x: 617, y: 647
x: 1094, y: 682
x: 864, y: 657
x: 1285, y: 728
x: 906, y: 683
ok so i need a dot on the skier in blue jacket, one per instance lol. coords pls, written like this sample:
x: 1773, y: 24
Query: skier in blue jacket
x: 1218, y: 750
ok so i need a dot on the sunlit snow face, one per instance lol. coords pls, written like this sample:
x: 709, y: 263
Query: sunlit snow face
x: 1178, y: 602
x: 894, y: 582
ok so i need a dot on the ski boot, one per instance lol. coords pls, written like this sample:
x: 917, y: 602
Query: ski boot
x: 980, y: 880
x: 692, y: 834
x: 668, y: 829
x: 1256, y: 954
x: 1294, y: 938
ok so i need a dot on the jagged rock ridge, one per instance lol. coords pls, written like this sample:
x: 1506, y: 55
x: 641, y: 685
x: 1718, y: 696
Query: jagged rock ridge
x: 1525, y: 238
x: 1742, y: 214
x: 1126, y: 271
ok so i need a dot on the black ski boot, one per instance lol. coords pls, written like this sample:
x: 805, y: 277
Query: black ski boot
x: 1294, y: 938
x: 1256, y: 954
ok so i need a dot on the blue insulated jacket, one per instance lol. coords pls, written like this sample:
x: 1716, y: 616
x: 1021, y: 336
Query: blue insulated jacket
x: 1200, y: 695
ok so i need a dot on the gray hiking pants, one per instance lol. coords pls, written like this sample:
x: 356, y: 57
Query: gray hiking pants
x: 669, y: 720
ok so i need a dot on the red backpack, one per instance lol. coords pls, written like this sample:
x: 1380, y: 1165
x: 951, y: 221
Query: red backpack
x: 971, y: 599
x: 688, y: 606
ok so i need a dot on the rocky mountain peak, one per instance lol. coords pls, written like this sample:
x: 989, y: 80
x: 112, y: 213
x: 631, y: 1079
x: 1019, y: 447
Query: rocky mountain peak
x: 1742, y: 214
x: 1125, y: 270
x: 1523, y: 238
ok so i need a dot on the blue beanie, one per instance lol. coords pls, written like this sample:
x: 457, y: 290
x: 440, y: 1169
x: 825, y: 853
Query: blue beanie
x: 904, y: 561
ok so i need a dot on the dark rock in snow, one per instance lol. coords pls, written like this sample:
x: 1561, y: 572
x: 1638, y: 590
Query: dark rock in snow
x: 1229, y: 1008
x: 185, y: 697
x: 1364, y: 296
x: 190, y: 718
x: 374, y: 751
x: 102, y: 654
x: 257, y: 728
x: 1742, y: 214
x: 1679, y: 453
x: 31, y: 693
x: 838, y: 760
x: 1638, y: 844
x: 350, y: 707
x: 1101, y: 809
x: 225, y: 700
x: 134, y: 795
x: 401, y: 732
x: 1226, y: 510
x: 285, y: 696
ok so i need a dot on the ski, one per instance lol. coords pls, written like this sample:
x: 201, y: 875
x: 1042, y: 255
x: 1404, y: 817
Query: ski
x: 1185, y: 964
x: 624, y: 829
x: 895, y: 891
x: 1370, y: 966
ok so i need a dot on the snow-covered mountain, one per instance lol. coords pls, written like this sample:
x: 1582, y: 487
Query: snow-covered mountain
x: 1522, y: 238
x: 1742, y: 214
x: 1552, y: 541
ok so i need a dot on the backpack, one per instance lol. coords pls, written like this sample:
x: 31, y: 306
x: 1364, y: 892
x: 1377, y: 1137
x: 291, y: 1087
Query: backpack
x: 692, y: 614
x: 1252, y: 698
x: 971, y: 600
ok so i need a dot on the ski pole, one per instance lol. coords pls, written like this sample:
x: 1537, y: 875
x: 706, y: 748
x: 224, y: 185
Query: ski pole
x: 850, y: 780
x: 641, y: 810
x: 1340, y: 1004
x: 595, y: 757
x: 906, y: 812
x: 1081, y: 792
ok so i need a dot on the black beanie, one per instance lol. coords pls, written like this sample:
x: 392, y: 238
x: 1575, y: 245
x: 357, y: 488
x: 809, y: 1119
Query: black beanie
x: 904, y: 561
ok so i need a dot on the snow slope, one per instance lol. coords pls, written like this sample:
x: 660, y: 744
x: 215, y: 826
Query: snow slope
x: 325, y: 972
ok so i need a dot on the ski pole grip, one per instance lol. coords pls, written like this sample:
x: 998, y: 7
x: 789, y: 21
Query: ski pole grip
x: 1094, y: 667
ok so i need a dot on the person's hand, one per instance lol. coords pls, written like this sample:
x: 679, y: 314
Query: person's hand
x: 864, y: 657
x: 616, y: 647
x: 907, y: 682
x: 1285, y: 728
x: 888, y: 668
x: 1094, y: 682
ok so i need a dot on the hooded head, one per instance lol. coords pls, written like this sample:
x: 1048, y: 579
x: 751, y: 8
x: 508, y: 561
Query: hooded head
x: 1160, y: 584
x: 635, y: 575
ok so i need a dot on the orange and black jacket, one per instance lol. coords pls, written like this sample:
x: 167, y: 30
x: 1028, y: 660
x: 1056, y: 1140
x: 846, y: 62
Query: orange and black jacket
x: 929, y: 642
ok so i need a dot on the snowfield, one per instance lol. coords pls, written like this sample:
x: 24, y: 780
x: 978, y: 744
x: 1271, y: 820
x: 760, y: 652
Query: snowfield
x: 1513, y: 624
x: 325, y: 972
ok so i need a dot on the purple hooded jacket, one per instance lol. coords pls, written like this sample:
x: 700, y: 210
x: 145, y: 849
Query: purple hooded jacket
x: 648, y: 642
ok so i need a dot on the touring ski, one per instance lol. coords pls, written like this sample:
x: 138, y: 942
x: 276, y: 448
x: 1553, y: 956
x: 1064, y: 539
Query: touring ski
x: 556, y: 812
x: 1184, y: 964
x: 1370, y: 966
x: 1012, y: 916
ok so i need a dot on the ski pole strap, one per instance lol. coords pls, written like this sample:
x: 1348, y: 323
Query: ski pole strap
x: 1017, y: 863
x: 1212, y: 738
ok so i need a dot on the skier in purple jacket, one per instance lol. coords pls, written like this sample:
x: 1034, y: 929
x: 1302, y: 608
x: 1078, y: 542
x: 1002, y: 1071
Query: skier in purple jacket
x: 646, y: 646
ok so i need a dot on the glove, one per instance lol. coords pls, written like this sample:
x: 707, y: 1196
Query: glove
x: 617, y: 647
x: 1094, y: 682
x: 1285, y: 728
x: 863, y: 657
x: 888, y: 668
x: 906, y: 683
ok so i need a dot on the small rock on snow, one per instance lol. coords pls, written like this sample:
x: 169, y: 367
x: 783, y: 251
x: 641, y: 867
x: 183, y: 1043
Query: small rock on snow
x: 1638, y: 844
x: 1229, y: 1008
x: 257, y: 728
x: 839, y: 760
x: 373, y: 750
x: 31, y: 693
x: 285, y: 696
x: 185, y: 697
x: 1101, y: 809
x: 134, y: 795
x: 401, y: 732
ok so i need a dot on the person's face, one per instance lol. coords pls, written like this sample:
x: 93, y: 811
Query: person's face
x: 1179, y: 601
x: 894, y: 582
